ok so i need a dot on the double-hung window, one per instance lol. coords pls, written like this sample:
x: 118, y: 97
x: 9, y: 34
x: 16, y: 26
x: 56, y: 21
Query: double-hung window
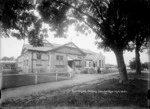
x: 38, y: 55
x: 59, y: 60
x: 78, y: 63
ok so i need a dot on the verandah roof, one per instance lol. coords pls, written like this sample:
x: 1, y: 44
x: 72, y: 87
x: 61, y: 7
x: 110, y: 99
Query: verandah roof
x: 70, y: 57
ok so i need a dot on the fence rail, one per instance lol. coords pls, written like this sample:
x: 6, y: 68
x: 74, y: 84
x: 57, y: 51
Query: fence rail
x: 17, y: 80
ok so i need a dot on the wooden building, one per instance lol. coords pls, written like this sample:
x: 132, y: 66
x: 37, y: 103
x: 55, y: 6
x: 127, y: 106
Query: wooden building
x: 58, y: 58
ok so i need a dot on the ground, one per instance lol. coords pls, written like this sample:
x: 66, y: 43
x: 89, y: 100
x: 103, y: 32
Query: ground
x: 107, y: 93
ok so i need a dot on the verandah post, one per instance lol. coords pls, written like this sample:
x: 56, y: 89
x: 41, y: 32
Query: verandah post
x: 70, y: 75
x: 56, y: 76
x: 36, y: 77
x: 1, y: 84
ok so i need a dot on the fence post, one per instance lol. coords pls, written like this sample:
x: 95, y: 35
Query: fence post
x: 1, y: 84
x: 36, y: 77
x: 1, y: 78
x: 56, y: 76
x: 70, y: 74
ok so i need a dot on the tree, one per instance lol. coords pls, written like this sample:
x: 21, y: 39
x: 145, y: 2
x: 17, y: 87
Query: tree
x: 18, y: 19
x: 132, y: 64
x: 108, y: 19
x: 145, y: 65
x: 5, y: 58
x: 140, y: 28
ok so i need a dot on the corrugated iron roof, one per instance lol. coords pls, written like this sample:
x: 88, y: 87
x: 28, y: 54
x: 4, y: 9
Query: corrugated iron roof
x: 92, y: 56
x: 30, y: 47
x: 71, y: 57
x: 88, y: 51
x: 95, y: 57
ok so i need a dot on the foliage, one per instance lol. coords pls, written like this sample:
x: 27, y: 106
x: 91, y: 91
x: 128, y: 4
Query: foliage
x: 145, y: 65
x: 132, y: 64
x: 5, y: 58
x: 139, y: 28
x: 18, y: 19
x: 54, y: 13
x: 139, y: 22
x: 15, y: 15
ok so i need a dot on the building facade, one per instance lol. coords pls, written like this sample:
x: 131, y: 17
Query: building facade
x: 58, y: 58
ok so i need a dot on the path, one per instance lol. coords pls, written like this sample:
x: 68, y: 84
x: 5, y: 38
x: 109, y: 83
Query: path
x: 77, y: 80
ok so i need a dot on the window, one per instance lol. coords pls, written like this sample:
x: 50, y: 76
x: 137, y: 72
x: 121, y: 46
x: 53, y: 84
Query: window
x: 38, y: 55
x: 99, y: 63
x: 59, y: 60
x: 78, y: 63
x: 89, y: 64
x: 27, y: 62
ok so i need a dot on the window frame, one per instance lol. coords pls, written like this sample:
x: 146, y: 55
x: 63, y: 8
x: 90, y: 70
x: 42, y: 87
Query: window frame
x: 59, y: 60
x: 38, y: 55
x: 78, y: 63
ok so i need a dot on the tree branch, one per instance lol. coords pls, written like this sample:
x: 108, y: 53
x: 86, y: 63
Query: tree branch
x: 99, y: 13
x: 67, y: 4
x: 6, y: 32
x: 92, y: 29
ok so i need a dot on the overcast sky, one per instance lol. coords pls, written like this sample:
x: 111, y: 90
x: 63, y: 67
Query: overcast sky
x: 12, y: 46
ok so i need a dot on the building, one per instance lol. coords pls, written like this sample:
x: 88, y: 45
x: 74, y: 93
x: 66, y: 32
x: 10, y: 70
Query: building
x: 8, y: 64
x: 58, y: 58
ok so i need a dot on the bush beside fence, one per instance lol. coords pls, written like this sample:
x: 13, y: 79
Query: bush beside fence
x: 10, y: 81
x: 109, y: 71
x: 93, y: 71
x: 88, y: 71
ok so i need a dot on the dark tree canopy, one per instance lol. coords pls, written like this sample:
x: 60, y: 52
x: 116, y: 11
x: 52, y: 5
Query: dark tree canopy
x: 15, y: 15
x: 139, y: 28
x: 18, y: 19
x: 132, y: 64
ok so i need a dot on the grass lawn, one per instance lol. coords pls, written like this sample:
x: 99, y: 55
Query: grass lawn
x: 142, y: 75
x: 107, y: 93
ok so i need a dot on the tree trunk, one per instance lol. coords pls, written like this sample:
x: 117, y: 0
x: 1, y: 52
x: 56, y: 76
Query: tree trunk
x: 121, y: 66
x: 137, y: 57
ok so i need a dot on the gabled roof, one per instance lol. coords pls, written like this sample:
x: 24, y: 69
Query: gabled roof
x: 55, y: 45
x: 71, y: 57
x: 58, y: 47
x: 95, y: 57
x: 47, y: 43
x: 88, y: 51
x: 30, y: 47
x: 52, y: 46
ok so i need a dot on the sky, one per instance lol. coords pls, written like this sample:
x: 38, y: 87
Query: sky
x: 12, y: 46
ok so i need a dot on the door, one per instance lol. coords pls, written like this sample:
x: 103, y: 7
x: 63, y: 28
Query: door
x: 70, y: 63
